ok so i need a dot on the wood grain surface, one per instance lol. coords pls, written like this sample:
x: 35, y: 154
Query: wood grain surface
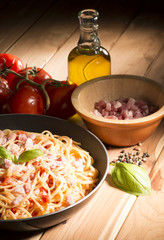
x: 42, y: 33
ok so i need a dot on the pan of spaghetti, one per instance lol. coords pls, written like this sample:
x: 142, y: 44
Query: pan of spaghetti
x: 49, y: 169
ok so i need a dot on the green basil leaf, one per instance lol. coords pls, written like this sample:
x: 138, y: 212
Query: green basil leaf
x: 131, y: 179
x: 15, y: 159
x: 29, y: 155
x: 5, y: 154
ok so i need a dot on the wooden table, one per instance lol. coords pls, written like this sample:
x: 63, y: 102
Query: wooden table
x: 42, y: 33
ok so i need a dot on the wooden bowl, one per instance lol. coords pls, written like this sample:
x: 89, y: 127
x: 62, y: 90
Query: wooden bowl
x: 119, y: 132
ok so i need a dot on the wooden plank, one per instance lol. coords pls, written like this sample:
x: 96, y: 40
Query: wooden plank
x: 156, y: 70
x: 140, y: 44
x: 17, y: 18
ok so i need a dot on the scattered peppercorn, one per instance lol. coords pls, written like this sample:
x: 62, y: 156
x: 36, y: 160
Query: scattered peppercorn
x: 132, y: 158
x: 139, y: 144
x: 137, y: 148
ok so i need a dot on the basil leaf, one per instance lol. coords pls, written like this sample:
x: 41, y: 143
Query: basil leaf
x: 29, y: 155
x: 15, y: 159
x: 131, y: 179
x: 5, y: 154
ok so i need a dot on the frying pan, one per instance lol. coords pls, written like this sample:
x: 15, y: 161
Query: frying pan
x: 38, y: 123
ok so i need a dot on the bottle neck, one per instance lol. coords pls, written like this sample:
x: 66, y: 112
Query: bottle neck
x: 88, y: 42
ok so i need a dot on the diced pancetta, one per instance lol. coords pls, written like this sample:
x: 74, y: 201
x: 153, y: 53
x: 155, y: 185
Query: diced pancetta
x: 11, y: 136
x: 19, y: 189
x: 17, y: 200
x: 78, y: 164
x: 29, y: 144
x: 72, y: 181
x: 108, y: 106
x: 70, y: 200
x: 1, y: 134
x: 27, y: 187
x: 32, y: 176
x: 22, y: 137
x: 7, y: 163
x: 14, y: 149
x: 3, y: 140
x: 131, y: 103
x: 123, y: 108
x: 97, y: 113
x: 116, y: 104
x: 32, y: 136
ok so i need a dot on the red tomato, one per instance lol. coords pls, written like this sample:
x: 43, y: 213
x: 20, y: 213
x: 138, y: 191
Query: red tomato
x: 60, y: 99
x: 10, y: 59
x: 38, y: 76
x: 25, y: 100
x: 15, y: 210
x: 45, y: 198
x: 5, y: 93
x: 8, y: 180
x: 44, y: 195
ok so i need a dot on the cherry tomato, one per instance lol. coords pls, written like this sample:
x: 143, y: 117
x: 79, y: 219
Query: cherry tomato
x: 5, y: 93
x: 25, y: 100
x: 60, y: 99
x: 13, y: 61
x: 38, y: 76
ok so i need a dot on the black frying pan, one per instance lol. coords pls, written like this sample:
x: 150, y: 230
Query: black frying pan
x: 38, y: 123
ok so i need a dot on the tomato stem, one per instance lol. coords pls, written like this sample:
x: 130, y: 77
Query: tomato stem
x: 6, y: 70
x: 41, y: 87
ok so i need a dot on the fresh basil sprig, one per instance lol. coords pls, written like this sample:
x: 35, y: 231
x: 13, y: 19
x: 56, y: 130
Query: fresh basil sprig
x: 131, y: 179
x: 5, y: 154
x: 23, y: 157
x: 29, y: 155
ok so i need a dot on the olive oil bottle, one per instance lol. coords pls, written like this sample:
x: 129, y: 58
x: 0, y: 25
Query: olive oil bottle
x: 88, y: 59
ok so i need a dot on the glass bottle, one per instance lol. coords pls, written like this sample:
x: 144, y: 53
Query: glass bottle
x: 88, y: 59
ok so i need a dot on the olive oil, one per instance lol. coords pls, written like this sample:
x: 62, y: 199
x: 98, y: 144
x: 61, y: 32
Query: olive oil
x: 88, y: 59
x: 83, y: 67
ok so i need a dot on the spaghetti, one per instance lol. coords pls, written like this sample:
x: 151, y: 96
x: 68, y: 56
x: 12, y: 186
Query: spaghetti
x: 45, y: 184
